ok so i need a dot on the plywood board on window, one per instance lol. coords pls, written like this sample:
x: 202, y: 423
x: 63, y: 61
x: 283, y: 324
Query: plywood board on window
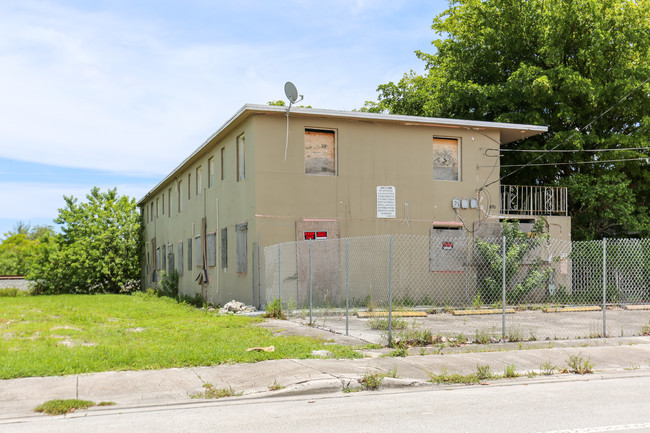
x: 445, y: 159
x: 320, y: 152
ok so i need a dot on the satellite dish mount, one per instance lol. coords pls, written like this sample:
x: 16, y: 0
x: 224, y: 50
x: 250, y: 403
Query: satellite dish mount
x: 292, y: 95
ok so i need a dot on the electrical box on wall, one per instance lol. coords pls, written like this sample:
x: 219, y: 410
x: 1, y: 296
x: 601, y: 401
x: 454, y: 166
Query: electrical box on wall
x: 455, y: 203
x: 464, y: 203
x: 473, y: 203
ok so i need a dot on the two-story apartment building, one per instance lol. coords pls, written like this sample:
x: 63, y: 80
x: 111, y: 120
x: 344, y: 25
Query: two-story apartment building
x: 265, y: 177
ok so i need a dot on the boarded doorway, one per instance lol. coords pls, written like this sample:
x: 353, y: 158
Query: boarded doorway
x: 323, y: 236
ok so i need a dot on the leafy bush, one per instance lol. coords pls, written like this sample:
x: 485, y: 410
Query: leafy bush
x: 98, y: 250
x: 518, y: 245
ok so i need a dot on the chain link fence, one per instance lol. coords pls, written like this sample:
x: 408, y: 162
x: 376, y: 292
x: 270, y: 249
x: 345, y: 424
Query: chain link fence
x: 419, y: 289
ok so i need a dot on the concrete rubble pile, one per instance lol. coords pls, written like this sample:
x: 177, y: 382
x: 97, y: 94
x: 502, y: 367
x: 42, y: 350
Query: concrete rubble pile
x: 237, y: 307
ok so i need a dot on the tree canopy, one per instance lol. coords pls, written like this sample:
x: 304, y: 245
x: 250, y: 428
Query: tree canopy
x: 98, y: 249
x: 20, y: 246
x: 579, y: 66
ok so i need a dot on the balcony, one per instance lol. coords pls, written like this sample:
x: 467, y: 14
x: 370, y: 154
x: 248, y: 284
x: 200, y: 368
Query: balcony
x: 533, y: 200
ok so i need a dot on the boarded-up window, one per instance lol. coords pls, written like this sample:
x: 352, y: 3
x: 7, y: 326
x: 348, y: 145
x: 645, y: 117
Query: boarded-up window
x: 170, y: 258
x: 222, y: 156
x: 320, y: 152
x: 224, y: 248
x: 189, y: 254
x: 198, y: 180
x: 241, y: 160
x: 211, y: 240
x: 163, y: 256
x: 242, y: 262
x: 180, y: 196
x: 446, y: 162
x: 180, y: 258
x: 211, y: 172
x: 197, y: 251
x: 169, y: 202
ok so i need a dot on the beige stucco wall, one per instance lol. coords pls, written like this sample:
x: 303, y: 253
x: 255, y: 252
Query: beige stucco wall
x: 227, y: 203
x: 369, y: 154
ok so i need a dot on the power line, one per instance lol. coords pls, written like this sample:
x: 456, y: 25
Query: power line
x: 573, y: 163
x: 569, y: 150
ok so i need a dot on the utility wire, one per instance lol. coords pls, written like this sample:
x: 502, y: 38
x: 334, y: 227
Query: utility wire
x: 568, y: 150
x: 574, y: 132
x: 573, y: 163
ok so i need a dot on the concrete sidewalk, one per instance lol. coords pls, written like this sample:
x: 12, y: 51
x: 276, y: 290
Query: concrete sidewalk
x: 130, y: 389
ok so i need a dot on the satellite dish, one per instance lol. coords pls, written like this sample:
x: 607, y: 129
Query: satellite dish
x: 291, y: 92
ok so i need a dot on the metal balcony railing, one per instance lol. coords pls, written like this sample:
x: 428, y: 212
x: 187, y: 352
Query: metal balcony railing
x: 533, y: 200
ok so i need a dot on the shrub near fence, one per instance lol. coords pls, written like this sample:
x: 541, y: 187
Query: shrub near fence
x: 528, y: 272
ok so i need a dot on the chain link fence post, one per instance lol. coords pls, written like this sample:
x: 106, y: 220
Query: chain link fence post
x: 279, y: 275
x: 503, y: 291
x: 604, y: 287
x: 310, y: 286
x: 347, y: 286
x: 390, y: 294
x: 259, y: 272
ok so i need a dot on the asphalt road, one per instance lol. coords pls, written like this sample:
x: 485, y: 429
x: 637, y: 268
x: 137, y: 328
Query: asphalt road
x: 593, y: 403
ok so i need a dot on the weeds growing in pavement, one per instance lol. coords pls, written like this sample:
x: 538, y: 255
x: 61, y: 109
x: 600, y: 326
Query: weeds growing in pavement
x: 547, y: 368
x: 212, y: 392
x: 510, y: 371
x: 62, y: 407
x: 579, y: 365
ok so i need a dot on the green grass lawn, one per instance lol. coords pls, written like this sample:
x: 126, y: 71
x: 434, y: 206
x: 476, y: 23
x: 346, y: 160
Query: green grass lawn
x: 69, y: 334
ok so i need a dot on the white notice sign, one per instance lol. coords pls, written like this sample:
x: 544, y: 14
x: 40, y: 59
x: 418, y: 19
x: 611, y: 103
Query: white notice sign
x: 385, y: 202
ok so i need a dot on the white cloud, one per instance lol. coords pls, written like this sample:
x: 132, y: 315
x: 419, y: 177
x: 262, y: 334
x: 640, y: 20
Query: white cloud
x: 105, y: 91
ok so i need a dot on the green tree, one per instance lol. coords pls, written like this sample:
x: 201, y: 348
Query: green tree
x: 518, y: 245
x: 20, y: 246
x: 98, y: 249
x: 560, y: 63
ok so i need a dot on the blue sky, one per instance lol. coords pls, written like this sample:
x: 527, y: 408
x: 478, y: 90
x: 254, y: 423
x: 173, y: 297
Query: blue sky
x: 115, y: 93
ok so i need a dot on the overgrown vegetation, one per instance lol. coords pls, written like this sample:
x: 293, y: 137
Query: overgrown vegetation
x: 72, y: 334
x: 98, y: 250
x: 518, y: 245
x: 20, y: 246
x: 579, y: 365
x: 274, y: 310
